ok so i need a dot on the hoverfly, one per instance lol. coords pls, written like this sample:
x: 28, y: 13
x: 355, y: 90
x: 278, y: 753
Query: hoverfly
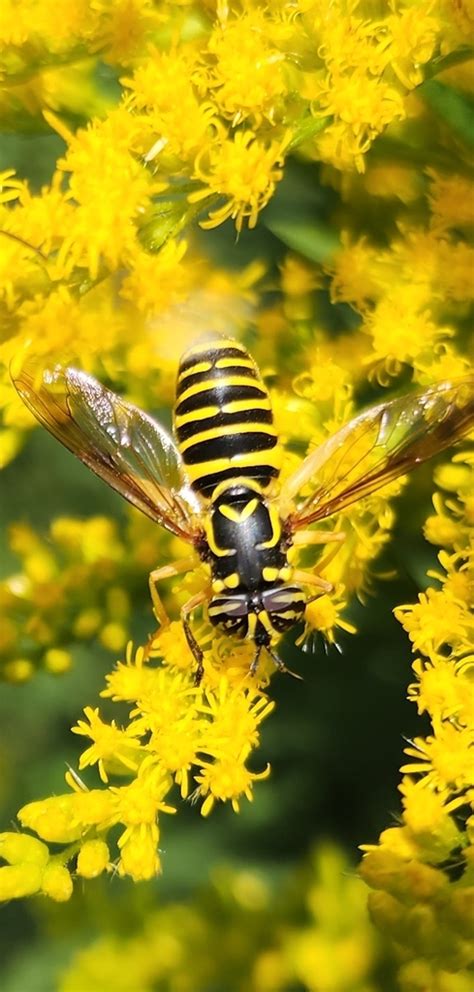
x: 215, y: 485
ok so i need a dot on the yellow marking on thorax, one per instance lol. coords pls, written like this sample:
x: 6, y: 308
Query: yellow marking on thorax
x: 276, y: 530
x: 230, y: 582
x: 270, y: 574
x: 216, y: 550
x: 273, y: 574
x: 239, y: 480
x: 238, y: 517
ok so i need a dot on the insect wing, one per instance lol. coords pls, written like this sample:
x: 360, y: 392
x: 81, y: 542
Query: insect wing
x: 120, y: 443
x: 376, y: 447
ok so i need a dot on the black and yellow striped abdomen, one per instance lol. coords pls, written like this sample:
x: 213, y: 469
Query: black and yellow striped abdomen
x: 223, y: 418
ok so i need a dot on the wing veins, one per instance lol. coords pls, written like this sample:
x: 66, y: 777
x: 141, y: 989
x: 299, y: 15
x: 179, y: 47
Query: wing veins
x: 84, y: 416
x: 428, y: 422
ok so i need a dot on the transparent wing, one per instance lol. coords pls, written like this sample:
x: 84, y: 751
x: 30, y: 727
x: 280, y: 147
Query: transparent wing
x: 376, y: 447
x: 120, y: 443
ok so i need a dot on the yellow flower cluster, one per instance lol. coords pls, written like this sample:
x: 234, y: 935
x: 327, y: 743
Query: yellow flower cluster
x: 413, y: 294
x: 199, y: 739
x: 310, y: 930
x: 423, y: 870
x: 212, y: 102
x: 81, y: 581
x: 100, y: 247
x: 175, y: 730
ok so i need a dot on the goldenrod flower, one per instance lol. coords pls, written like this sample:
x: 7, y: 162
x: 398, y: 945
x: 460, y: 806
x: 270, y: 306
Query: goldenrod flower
x: 244, y: 172
x: 137, y: 807
x: 170, y: 112
x: 406, y: 868
x: 246, y: 73
x: 93, y: 858
x: 435, y: 621
x: 111, y: 746
x: 226, y: 780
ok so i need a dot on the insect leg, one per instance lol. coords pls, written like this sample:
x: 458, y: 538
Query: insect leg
x: 308, y: 579
x: 323, y: 562
x: 280, y: 665
x: 193, y: 645
x: 166, y: 572
x: 254, y: 665
x: 318, y: 536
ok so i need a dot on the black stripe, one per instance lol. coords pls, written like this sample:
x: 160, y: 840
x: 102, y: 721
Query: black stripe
x: 214, y: 373
x: 208, y: 482
x: 222, y: 419
x: 210, y: 356
x: 228, y: 447
x: 219, y: 397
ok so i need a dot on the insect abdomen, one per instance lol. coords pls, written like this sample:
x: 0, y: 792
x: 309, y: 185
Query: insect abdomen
x: 223, y: 417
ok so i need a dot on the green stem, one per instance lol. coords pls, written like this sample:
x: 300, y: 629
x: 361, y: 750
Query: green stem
x: 38, y: 65
x: 307, y: 128
x: 442, y: 62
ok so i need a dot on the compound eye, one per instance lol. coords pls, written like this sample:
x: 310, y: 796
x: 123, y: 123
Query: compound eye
x: 285, y: 606
x: 230, y: 613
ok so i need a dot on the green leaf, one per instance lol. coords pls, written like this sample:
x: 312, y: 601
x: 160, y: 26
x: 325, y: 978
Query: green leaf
x: 455, y: 109
x: 317, y: 242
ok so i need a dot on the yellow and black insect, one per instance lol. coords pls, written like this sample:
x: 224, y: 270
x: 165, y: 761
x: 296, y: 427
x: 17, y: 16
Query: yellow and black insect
x: 216, y: 486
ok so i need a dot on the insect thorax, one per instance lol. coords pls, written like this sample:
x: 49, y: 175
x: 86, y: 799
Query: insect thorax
x: 247, y: 552
x: 247, y: 548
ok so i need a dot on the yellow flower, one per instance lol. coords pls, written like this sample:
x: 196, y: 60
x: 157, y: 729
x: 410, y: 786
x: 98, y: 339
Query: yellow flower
x: 159, y: 281
x: 125, y: 27
x: 439, y: 691
x: 456, y: 261
x: 225, y: 780
x: 362, y: 105
x: 57, y: 882
x: 323, y: 615
x: 445, y: 759
x: 358, y: 274
x: 132, y: 679
x: 413, y: 35
x: 93, y: 858
x: 442, y: 528
x: 451, y: 200
x: 436, y: 620
x: 427, y: 816
x: 235, y: 714
x: 25, y: 857
x: 112, y: 747
x: 245, y: 73
x: 401, y: 327
x: 406, y: 866
x: 175, y: 129
x: 10, y: 188
x: 110, y: 189
x: 244, y: 172
x: 137, y: 807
